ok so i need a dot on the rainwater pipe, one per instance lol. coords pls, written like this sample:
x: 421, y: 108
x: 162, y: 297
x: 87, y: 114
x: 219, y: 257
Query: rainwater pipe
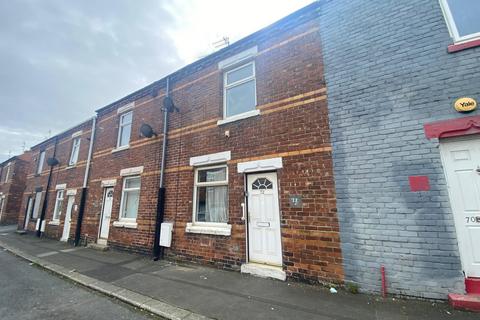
x: 83, y: 197
x: 158, y: 250
x: 45, y: 201
x: 384, y: 281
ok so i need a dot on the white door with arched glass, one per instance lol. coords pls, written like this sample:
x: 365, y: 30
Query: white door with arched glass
x: 68, y: 218
x: 264, y: 236
x: 106, y: 215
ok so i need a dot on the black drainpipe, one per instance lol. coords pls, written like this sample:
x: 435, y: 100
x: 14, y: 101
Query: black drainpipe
x: 83, y: 197
x: 45, y: 201
x: 158, y: 250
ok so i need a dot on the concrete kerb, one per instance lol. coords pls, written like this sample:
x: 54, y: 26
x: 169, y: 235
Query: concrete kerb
x: 135, y: 299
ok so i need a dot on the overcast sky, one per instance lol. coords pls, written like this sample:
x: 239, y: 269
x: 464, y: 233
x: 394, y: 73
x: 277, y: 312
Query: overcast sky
x: 60, y: 60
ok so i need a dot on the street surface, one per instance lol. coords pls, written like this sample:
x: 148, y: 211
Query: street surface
x: 26, y: 292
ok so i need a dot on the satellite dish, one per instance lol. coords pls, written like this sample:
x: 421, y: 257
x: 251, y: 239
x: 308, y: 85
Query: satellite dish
x: 147, y: 131
x: 168, y: 105
x: 52, y: 162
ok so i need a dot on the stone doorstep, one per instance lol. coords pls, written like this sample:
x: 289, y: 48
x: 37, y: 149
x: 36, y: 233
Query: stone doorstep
x: 264, y: 271
x: 472, y: 285
x: 469, y: 302
x: 146, y: 303
x: 98, y: 246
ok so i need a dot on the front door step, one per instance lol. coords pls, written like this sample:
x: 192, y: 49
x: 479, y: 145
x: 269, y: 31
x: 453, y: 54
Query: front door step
x: 472, y: 285
x: 98, y: 246
x: 264, y: 271
x: 469, y: 302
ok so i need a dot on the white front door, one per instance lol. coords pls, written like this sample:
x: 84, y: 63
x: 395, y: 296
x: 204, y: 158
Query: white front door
x: 28, y: 212
x: 68, y: 218
x: 264, y: 238
x: 461, y: 161
x: 106, y: 213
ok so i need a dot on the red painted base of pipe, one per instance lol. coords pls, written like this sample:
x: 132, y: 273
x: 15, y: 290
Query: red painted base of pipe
x: 384, y: 282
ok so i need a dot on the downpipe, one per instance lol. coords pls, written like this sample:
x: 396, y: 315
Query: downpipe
x: 158, y: 251
x: 83, y: 197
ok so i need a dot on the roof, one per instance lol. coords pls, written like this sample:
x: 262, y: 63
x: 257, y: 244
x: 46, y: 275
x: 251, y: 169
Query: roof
x: 58, y: 135
x: 304, y: 14
x: 8, y: 160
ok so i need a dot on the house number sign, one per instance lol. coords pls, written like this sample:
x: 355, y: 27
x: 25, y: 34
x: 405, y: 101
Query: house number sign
x: 295, y: 201
x: 473, y: 219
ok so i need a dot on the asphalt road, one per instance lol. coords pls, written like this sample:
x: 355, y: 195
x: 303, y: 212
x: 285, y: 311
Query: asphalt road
x: 27, y: 292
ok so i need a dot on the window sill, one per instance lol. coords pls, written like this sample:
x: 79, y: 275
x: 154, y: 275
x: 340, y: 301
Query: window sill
x: 71, y: 166
x: 121, y: 148
x: 463, y: 46
x: 222, y: 229
x: 125, y: 224
x: 54, y: 223
x: 240, y: 116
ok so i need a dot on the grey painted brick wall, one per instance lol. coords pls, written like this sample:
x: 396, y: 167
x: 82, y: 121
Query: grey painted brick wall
x: 388, y: 72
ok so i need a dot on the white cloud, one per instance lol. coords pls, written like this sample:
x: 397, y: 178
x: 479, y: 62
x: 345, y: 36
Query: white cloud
x: 61, y: 60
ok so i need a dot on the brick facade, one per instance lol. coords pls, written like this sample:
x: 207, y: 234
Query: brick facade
x: 292, y: 124
x: 12, y: 185
x: 62, y: 174
x: 388, y: 73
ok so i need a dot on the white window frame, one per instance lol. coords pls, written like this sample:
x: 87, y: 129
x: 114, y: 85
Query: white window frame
x: 452, y: 27
x: 235, y: 84
x: 2, y: 203
x: 7, y: 167
x: 121, y: 218
x: 197, y: 184
x: 75, y: 151
x: 57, y: 212
x: 41, y: 160
x: 120, y: 130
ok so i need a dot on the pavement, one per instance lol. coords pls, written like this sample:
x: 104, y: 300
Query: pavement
x: 188, y: 291
x: 27, y: 292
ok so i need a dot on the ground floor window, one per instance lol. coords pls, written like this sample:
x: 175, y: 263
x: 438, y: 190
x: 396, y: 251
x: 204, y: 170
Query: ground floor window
x: 58, y: 205
x: 211, y: 195
x: 130, y: 198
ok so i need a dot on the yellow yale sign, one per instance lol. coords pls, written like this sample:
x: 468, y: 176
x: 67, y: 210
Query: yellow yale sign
x: 465, y: 104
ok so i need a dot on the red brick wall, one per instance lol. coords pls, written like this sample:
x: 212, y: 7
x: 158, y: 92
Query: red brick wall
x: 293, y: 124
x: 72, y: 176
x: 13, y: 189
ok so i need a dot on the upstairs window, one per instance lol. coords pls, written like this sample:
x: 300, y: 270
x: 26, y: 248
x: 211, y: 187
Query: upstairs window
x: 75, y: 151
x: 40, y: 161
x: 5, y: 173
x: 124, y: 129
x: 58, y: 205
x: 462, y: 18
x: 239, y: 90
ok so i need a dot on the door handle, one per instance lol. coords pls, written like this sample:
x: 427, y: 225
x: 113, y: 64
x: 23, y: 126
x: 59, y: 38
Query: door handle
x: 243, y: 211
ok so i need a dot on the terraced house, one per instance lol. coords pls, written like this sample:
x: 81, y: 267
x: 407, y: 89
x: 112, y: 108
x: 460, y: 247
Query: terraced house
x: 12, y: 185
x: 403, y: 80
x: 55, y: 181
x: 247, y: 174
